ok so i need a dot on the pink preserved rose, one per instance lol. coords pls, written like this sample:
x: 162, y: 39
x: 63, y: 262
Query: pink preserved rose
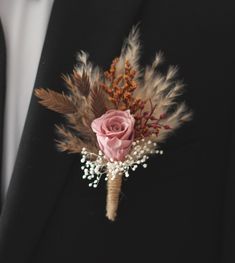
x: 115, y: 133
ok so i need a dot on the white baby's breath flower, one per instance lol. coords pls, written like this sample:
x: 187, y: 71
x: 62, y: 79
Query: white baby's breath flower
x: 97, y: 165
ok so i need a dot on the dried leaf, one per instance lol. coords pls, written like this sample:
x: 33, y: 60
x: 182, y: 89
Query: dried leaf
x: 58, y: 102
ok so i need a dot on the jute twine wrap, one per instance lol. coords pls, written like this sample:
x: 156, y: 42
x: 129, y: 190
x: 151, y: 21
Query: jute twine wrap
x: 113, y: 192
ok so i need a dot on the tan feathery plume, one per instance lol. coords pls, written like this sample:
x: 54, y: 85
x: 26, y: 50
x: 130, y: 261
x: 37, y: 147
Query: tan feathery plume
x: 79, y: 85
x: 71, y: 143
x: 76, y: 109
x: 94, y: 73
x: 55, y: 101
x: 130, y: 52
x: 163, y: 91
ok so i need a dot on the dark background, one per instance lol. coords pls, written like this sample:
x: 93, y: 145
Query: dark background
x: 179, y: 209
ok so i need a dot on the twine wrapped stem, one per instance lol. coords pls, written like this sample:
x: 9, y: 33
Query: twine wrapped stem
x: 113, y: 193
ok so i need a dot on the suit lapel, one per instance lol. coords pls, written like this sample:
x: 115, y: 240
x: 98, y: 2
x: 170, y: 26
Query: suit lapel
x: 40, y: 171
x: 2, y: 91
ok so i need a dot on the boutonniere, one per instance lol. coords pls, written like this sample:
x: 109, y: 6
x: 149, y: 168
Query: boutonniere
x: 117, y: 118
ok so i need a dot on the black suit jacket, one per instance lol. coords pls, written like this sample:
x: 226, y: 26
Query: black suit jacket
x: 180, y: 209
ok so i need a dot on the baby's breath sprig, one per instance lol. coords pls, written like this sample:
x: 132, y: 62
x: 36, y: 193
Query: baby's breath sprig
x: 96, y: 165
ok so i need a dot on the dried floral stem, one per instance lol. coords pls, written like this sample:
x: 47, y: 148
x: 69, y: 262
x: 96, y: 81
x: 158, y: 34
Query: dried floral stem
x: 113, y: 192
x: 121, y: 87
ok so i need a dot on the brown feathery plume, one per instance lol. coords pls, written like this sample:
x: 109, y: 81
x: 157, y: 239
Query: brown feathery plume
x: 79, y: 107
x: 81, y: 82
x: 97, y: 103
x: 79, y: 85
x: 75, y: 109
x: 80, y: 123
x: 55, y: 101
x: 72, y: 88
x: 70, y: 142
x: 84, y: 65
